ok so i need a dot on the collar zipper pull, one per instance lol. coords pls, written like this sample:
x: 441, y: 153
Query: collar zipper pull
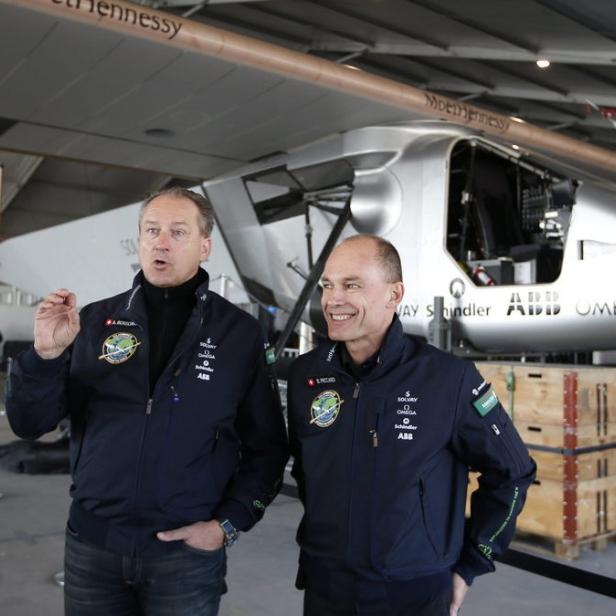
x: 356, y: 391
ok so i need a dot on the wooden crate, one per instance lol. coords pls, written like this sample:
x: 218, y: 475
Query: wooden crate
x: 569, y: 515
x: 565, y: 436
x: 585, y: 466
x: 557, y: 406
x: 566, y: 415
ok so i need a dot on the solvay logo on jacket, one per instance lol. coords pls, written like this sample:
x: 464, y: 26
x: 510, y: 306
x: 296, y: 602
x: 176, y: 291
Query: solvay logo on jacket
x: 406, y: 409
x: 204, y: 368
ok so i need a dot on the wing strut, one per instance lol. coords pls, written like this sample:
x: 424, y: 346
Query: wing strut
x: 313, y: 278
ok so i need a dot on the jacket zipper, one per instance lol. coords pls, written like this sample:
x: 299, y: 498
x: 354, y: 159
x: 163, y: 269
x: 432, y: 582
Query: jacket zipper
x: 148, y: 412
x: 508, y: 446
x: 350, y: 505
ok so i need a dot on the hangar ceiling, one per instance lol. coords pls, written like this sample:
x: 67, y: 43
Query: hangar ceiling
x: 80, y: 103
x: 479, y: 50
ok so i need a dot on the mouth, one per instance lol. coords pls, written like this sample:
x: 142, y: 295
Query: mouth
x: 340, y: 317
x: 160, y: 263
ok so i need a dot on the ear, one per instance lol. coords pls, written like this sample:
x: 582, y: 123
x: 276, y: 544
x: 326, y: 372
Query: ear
x: 396, y: 293
x: 206, y: 247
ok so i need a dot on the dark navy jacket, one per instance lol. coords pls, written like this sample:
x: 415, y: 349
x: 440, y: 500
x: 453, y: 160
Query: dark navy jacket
x: 209, y: 443
x: 382, y: 464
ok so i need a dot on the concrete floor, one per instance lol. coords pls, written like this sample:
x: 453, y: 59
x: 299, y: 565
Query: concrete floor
x: 261, y: 566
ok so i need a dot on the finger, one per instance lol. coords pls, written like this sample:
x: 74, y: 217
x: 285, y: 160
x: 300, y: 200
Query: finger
x: 71, y: 300
x: 178, y: 534
x: 58, y: 305
x: 58, y: 296
x: 73, y: 318
x: 48, y: 309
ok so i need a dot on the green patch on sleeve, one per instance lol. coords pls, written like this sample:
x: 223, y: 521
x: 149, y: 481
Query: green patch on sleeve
x: 486, y: 403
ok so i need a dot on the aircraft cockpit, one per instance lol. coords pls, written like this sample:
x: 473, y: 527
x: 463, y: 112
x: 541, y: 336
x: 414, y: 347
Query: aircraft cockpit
x: 507, y: 219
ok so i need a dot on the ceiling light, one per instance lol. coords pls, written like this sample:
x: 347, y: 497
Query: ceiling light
x: 543, y: 63
x: 515, y: 147
x: 517, y: 119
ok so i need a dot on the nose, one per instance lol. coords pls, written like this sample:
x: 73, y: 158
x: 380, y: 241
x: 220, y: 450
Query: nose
x: 162, y: 241
x: 334, y: 296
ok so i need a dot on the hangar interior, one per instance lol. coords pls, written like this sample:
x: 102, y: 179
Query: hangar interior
x: 93, y: 119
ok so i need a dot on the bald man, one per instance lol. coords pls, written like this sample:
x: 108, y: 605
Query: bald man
x: 383, y: 430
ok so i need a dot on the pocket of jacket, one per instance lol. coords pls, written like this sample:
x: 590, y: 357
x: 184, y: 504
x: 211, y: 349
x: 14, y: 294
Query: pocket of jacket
x: 427, y: 516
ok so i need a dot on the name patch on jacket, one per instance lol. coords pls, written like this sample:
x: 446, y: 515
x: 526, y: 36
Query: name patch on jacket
x: 486, y: 402
x: 313, y: 381
x: 325, y: 408
x: 119, y: 347
x: 110, y: 322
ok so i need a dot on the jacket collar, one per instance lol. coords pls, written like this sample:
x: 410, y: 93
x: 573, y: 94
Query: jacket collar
x: 389, y: 353
x: 135, y: 302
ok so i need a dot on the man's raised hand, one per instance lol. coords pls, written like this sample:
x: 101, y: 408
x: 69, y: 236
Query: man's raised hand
x: 56, y: 324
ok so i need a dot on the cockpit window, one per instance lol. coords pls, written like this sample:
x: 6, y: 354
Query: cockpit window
x: 507, y: 220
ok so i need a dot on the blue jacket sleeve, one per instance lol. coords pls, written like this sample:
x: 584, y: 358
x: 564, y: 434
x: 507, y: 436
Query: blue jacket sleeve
x: 37, y: 393
x: 486, y: 441
x: 264, y: 448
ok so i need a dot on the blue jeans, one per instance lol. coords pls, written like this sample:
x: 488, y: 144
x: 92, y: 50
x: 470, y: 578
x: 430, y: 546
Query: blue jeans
x: 186, y: 582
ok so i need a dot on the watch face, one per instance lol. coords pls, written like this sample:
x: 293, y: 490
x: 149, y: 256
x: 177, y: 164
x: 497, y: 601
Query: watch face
x: 231, y: 533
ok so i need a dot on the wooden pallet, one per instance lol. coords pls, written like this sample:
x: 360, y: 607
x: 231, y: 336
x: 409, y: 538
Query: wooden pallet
x: 566, y: 551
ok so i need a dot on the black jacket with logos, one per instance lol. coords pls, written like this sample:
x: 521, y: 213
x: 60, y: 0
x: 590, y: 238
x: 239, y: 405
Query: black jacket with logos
x: 209, y: 443
x: 382, y: 464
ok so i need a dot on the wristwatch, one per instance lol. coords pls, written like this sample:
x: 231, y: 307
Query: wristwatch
x: 231, y: 533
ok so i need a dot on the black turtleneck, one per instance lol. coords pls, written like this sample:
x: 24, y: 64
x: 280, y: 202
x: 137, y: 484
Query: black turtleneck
x: 358, y: 371
x: 168, y: 310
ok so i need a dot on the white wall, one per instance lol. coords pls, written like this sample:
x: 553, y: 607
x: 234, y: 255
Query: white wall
x: 95, y: 257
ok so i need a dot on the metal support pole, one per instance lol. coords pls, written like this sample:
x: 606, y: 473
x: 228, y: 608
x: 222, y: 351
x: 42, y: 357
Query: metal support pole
x: 305, y: 338
x: 308, y: 235
x: 223, y: 285
x: 439, y: 329
x: 313, y: 279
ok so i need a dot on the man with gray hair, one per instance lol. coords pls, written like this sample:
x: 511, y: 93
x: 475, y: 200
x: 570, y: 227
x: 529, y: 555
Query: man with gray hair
x: 177, y: 440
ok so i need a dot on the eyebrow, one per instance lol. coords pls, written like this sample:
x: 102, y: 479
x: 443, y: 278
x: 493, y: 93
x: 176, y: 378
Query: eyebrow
x: 348, y: 279
x: 173, y: 224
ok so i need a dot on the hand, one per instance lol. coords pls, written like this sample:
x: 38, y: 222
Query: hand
x: 200, y: 535
x: 56, y: 324
x: 460, y: 588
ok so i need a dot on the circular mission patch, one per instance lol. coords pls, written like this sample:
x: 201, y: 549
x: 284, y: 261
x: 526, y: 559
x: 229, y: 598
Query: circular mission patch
x: 325, y: 408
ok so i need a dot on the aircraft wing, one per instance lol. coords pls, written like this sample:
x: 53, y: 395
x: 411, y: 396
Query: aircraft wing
x: 121, y: 84
x: 75, y: 87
